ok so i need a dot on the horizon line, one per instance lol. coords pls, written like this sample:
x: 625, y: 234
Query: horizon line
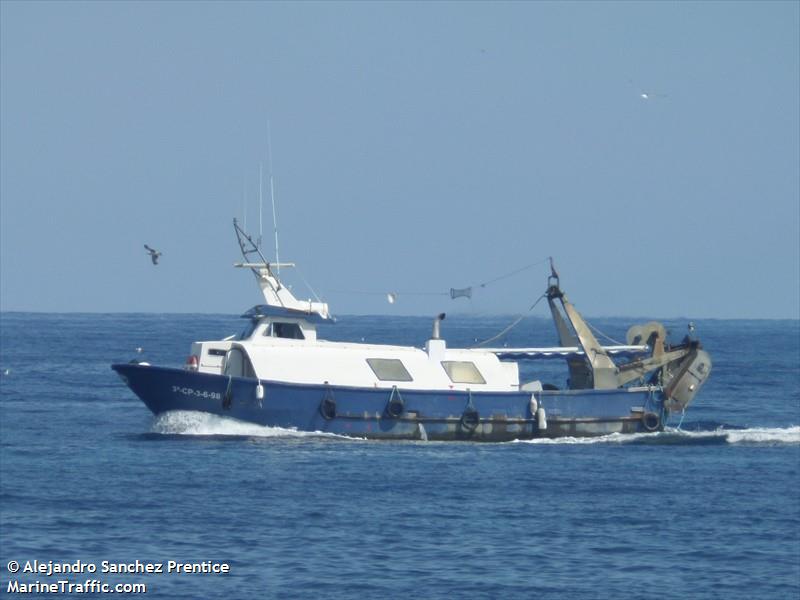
x: 453, y: 314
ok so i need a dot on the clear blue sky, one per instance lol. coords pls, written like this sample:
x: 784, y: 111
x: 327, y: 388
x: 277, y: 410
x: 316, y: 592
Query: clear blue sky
x: 417, y: 147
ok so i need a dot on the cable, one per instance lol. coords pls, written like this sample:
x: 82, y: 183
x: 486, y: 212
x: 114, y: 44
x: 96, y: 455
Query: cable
x: 683, y: 414
x: 308, y: 285
x: 510, y: 327
x: 520, y: 270
x: 373, y: 293
x: 448, y: 293
x: 608, y: 337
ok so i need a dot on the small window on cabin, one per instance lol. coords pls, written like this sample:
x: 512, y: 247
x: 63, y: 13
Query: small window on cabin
x: 248, y: 331
x: 285, y: 330
x: 389, y: 369
x: 462, y: 371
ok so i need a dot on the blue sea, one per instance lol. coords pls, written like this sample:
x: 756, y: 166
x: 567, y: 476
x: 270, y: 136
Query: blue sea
x: 709, y: 508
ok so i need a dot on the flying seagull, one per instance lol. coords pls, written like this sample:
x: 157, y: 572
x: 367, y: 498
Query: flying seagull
x: 646, y: 94
x: 651, y: 95
x: 154, y: 254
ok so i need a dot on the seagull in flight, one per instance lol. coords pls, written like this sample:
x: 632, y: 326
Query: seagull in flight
x: 154, y: 254
x: 651, y: 95
x: 646, y: 94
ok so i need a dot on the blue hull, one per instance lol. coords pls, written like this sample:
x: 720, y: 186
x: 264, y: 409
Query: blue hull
x: 397, y: 414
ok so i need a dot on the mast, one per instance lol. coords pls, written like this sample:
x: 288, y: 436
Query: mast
x: 244, y: 201
x: 260, y: 201
x: 272, y: 196
x: 274, y: 293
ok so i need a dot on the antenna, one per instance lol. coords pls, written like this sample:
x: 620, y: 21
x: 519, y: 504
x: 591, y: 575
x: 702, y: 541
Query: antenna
x: 244, y: 201
x: 272, y: 196
x: 260, y: 202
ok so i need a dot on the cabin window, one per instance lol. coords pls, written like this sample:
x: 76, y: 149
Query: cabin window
x: 248, y: 331
x: 462, y: 371
x: 285, y: 330
x: 389, y: 369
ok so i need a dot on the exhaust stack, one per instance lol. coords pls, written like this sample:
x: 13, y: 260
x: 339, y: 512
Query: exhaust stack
x: 439, y: 318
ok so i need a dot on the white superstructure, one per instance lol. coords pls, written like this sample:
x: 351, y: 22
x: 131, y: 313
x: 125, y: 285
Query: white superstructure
x: 286, y: 349
x: 281, y: 344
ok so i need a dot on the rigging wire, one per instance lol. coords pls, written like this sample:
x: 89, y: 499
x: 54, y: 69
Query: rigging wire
x: 507, y: 275
x: 608, y: 337
x: 373, y: 293
x: 448, y: 293
x: 511, y: 326
x: 308, y: 285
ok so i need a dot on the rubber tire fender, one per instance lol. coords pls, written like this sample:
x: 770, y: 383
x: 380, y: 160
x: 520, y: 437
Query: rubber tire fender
x: 327, y: 407
x: 395, y: 406
x: 470, y: 419
x: 651, y: 421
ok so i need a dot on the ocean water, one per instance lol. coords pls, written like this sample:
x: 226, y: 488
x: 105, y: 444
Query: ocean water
x: 707, y: 510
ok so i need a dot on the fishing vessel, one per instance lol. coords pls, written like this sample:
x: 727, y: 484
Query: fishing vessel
x: 279, y: 373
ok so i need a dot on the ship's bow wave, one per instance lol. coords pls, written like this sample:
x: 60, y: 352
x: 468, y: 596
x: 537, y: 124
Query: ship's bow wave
x: 192, y: 423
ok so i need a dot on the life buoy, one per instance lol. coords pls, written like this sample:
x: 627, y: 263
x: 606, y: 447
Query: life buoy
x: 651, y: 421
x: 192, y: 363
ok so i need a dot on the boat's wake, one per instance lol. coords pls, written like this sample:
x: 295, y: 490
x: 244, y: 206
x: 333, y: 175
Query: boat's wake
x: 682, y: 437
x: 200, y: 424
x: 193, y: 423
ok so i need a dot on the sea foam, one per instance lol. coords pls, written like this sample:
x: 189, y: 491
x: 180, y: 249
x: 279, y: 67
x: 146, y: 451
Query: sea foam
x: 182, y: 422
x: 756, y: 435
x: 186, y: 422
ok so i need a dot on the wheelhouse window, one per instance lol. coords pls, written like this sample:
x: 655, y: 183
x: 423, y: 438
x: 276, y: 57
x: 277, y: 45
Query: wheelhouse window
x: 389, y: 369
x: 462, y: 371
x: 285, y: 330
x: 247, y: 331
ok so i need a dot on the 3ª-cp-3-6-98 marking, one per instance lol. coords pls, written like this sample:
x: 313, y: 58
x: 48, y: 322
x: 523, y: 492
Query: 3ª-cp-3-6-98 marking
x: 187, y: 391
